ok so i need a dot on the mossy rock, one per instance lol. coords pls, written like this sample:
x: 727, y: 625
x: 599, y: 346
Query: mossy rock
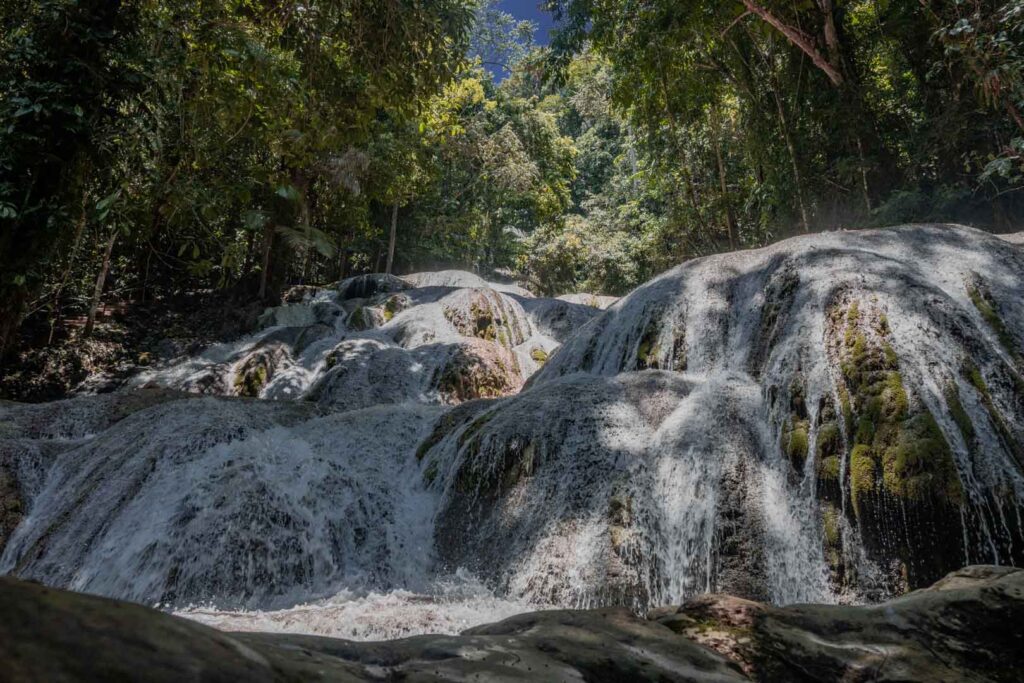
x: 829, y: 441
x: 360, y: 319
x: 648, y: 352
x: 779, y: 296
x: 478, y: 370
x: 796, y: 443
x: 828, y: 469
x: 973, y: 375
x: 830, y: 526
x: 862, y: 475
x: 393, y: 306
x: 920, y: 464
x: 251, y: 378
x: 960, y: 416
x: 487, y: 317
x: 989, y: 310
x: 539, y: 356
x: 430, y: 474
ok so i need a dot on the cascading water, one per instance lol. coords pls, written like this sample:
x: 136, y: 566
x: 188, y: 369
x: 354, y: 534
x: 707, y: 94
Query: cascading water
x: 807, y: 422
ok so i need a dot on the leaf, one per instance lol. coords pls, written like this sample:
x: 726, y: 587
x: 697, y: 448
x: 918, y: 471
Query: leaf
x: 288, y: 192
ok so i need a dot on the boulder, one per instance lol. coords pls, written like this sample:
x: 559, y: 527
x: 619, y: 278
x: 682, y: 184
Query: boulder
x: 962, y: 629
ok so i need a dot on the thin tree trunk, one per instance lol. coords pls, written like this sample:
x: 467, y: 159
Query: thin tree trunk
x: 268, y: 243
x: 101, y: 280
x: 250, y: 253
x: 679, y: 152
x: 391, y: 240
x: 784, y: 122
x: 79, y: 231
x: 865, y: 187
x: 12, y: 312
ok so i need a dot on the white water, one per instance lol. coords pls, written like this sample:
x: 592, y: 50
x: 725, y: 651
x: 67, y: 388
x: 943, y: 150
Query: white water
x: 448, y: 608
x: 597, y: 485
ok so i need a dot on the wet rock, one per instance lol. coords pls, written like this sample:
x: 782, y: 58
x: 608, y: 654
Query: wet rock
x: 53, y: 635
x: 592, y: 300
x: 956, y: 630
x: 366, y: 286
x: 478, y: 369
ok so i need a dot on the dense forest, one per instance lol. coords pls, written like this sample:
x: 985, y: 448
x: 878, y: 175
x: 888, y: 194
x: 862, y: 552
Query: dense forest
x: 151, y: 147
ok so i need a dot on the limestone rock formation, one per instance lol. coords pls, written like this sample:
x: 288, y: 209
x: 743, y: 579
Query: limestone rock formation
x: 838, y: 418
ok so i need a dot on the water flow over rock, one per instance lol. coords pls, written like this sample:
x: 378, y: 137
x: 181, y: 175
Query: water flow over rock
x: 889, y: 364
x: 835, y: 418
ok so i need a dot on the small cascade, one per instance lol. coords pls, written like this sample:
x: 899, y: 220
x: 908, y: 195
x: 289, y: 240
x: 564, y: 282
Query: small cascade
x: 434, y: 337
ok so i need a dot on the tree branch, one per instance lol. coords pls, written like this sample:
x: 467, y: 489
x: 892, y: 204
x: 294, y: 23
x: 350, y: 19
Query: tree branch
x: 799, y: 39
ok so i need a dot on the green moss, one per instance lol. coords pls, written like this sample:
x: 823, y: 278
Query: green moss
x: 250, y: 380
x: 828, y: 441
x: 974, y: 376
x: 475, y: 427
x: 890, y: 355
x: 483, y: 321
x: 360, y: 320
x: 797, y: 444
x: 862, y: 474
x: 648, y: 354
x: 828, y: 469
x: 443, y: 428
x: 959, y: 414
x: 900, y: 442
x: 983, y: 301
x: 853, y: 314
x: 392, y: 307
x: 539, y: 355
x: 846, y: 408
x: 920, y: 464
x: 430, y: 474
x: 830, y: 525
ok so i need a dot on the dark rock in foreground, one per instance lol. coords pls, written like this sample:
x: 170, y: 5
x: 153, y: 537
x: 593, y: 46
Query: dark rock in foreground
x: 965, y: 628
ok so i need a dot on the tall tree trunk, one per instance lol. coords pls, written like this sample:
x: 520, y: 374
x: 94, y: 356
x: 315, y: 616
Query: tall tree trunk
x: 101, y: 280
x: 391, y: 240
x: 730, y: 218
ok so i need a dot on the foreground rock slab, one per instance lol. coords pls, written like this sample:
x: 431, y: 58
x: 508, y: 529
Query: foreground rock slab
x: 54, y: 635
x: 964, y: 628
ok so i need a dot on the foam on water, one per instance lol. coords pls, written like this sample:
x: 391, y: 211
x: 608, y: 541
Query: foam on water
x: 450, y: 607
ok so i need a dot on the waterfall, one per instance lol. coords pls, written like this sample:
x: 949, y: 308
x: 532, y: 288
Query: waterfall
x: 834, y: 418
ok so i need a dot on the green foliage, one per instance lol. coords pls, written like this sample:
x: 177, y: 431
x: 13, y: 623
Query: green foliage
x: 249, y: 144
